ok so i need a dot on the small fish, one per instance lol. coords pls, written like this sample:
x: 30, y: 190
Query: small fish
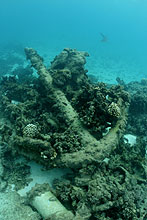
x: 104, y: 38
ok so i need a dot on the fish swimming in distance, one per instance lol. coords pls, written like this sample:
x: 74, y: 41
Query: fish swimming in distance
x: 104, y: 38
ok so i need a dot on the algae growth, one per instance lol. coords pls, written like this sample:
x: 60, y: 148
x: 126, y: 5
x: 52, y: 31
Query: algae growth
x: 61, y: 119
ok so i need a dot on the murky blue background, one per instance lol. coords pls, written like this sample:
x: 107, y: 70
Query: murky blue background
x: 51, y: 25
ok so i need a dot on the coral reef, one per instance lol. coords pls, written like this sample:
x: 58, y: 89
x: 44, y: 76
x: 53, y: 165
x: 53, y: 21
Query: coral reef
x: 61, y: 119
x: 63, y: 104
x: 111, y: 190
x: 114, y: 110
x: 138, y: 91
x: 138, y: 108
x: 11, y: 55
x: 30, y: 130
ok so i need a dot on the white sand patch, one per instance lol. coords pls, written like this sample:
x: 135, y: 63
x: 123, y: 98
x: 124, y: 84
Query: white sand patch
x: 107, y: 69
x: 40, y: 176
x: 129, y: 138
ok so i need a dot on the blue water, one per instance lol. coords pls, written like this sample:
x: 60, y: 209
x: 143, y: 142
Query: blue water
x: 51, y: 25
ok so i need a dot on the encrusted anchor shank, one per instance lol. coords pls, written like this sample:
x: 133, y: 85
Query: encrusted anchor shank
x: 94, y: 149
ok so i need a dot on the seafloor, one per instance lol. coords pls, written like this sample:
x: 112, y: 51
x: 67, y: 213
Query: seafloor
x: 73, y: 144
